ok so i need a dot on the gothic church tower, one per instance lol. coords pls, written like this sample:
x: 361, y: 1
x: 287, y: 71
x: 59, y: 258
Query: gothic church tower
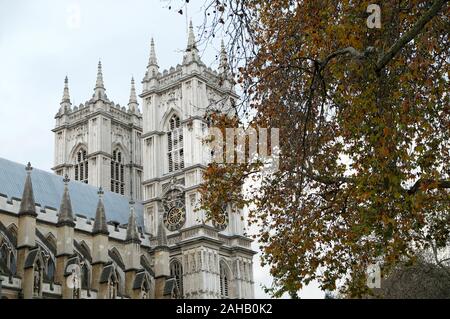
x: 208, y: 259
x: 99, y: 142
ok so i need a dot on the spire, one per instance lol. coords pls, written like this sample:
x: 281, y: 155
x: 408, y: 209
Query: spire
x: 161, y: 236
x: 152, y: 60
x: 133, y: 104
x: 223, y: 66
x: 65, y: 101
x: 99, y: 91
x: 191, y: 38
x: 191, y: 50
x: 100, y: 226
x: 99, y: 84
x: 152, y: 67
x: 27, y: 204
x: 65, y: 217
x: 132, y: 230
x: 66, y: 95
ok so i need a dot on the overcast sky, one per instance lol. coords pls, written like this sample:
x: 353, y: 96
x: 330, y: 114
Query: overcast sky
x: 42, y: 41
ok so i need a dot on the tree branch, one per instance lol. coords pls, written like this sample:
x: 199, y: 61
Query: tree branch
x: 350, y: 51
x: 408, y: 36
x: 438, y: 184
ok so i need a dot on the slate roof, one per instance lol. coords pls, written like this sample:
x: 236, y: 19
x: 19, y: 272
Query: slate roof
x: 48, y: 189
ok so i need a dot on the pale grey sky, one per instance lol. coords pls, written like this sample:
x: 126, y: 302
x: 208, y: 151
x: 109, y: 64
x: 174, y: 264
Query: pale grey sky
x: 42, y: 41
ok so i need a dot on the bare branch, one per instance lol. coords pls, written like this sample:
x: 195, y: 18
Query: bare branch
x: 347, y: 51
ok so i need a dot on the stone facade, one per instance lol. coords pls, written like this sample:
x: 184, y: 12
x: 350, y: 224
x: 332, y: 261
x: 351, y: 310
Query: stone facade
x: 162, y: 246
x: 99, y: 142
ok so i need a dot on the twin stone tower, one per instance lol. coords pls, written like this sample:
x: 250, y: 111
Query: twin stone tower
x: 157, y: 158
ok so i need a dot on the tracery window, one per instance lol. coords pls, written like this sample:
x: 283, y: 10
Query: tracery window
x: 7, y: 256
x: 81, y: 166
x: 175, y: 152
x: 117, y: 173
x: 224, y: 281
x: 176, y: 271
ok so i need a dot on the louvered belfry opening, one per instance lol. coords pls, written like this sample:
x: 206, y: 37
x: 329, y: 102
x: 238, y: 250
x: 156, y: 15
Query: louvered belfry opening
x: 175, y: 152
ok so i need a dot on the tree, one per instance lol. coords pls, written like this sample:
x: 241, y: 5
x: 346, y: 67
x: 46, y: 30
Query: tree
x: 420, y: 280
x: 364, y: 142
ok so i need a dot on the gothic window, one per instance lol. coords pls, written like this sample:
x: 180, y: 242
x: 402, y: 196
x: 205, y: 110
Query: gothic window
x: 176, y: 271
x: 81, y: 166
x: 224, y: 281
x: 4, y: 254
x: 117, y: 173
x: 84, y: 276
x: 175, y: 152
x: 50, y: 270
x: 7, y: 256
x: 47, y: 264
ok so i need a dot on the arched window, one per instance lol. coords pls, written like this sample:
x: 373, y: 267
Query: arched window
x: 175, y: 152
x: 81, y: 166
x: 224, y: 281
x: 47, y: 263
x: 50, y: 270
x: 85, y: 276
x: 4, y: 254
x: 176, y: 271
x: 117, y: 173
x: 7, y: 256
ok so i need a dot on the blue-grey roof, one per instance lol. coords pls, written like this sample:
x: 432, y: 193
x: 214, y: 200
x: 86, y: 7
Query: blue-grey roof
x: 48, y: 190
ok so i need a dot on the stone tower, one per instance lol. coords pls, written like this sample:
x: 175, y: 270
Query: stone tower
x: 208, y: 259
x: 99, y: 142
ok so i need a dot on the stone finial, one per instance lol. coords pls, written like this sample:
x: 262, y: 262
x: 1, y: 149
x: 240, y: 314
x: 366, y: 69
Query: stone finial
x: 132, y: 103
x: 132, y: 230
x: 191, y: 38
x: 100, y: 226
x: 99, y: 91
x: 99, y: 83
x: 66, y: 179
x: 191, y: 54
x: 152, y: 61
x: 27, y: 204
x: 66, y: 96
x: 65, y: 216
